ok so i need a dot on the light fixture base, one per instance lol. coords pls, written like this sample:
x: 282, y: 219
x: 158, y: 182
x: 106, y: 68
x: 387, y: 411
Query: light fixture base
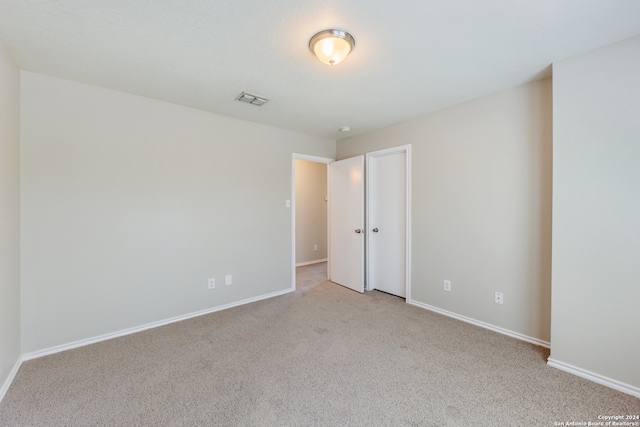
x: 331, y: 46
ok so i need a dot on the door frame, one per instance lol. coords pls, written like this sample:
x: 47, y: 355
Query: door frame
x: 380, y: 153
x: 316, y: 159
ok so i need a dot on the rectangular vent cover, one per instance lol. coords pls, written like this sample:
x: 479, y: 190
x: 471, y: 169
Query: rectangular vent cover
x: 252, y: 99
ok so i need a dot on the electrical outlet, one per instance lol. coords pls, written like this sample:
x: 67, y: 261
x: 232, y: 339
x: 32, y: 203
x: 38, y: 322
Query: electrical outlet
x: 447, y: 285
x: 499, y: 298
x: 212, y: 283
x: 227, y: 280
x: 315, y: 247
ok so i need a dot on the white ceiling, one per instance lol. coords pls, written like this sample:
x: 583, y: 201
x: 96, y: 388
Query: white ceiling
x: 411, y: 57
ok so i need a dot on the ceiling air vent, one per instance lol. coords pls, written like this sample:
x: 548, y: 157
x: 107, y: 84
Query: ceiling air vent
x: 252, y: 99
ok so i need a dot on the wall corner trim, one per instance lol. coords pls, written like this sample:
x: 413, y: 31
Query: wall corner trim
x: 596, y: 378
x: 129, y: 331
x: 489, y: 326
x: 10, y: 378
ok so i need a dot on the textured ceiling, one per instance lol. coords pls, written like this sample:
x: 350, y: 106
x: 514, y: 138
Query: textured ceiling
x: 411, y: 57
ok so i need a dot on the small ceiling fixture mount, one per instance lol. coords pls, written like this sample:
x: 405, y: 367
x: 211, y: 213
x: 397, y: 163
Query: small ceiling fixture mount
x: 332, y: 46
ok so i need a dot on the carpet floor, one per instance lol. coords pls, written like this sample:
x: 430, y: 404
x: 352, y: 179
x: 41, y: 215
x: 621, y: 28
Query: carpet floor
x: 321, y: 356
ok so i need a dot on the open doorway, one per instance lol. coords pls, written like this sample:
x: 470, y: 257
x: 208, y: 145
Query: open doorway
x: 309, y: 211
x: 311, y: 275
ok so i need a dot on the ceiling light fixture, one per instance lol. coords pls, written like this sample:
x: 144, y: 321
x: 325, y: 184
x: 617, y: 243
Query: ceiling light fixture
x: 331, y: 46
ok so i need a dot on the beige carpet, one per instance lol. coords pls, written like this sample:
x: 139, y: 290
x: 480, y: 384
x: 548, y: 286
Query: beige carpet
x: 322, y: 356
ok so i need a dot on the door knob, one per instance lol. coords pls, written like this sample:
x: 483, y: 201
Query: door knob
x: 358, y: 231
x: 375, y: 230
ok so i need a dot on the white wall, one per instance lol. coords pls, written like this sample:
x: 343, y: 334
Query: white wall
x: 596, y: 219
x: 481, y: 206
x: 311, y: 211
x: 130, y: 204
x: 9, y: 216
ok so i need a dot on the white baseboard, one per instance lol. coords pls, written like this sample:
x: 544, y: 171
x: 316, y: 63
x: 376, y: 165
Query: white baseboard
x: 93, y: 340
x: 315, y: 261
x: 9, y: 380
x: 489, y: 326
x: 104, y: 337
x: 596, y: 378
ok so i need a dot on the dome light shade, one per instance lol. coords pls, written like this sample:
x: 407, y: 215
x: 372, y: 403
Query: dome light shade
x: 331, y: 46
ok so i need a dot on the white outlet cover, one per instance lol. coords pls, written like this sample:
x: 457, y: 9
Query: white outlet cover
x: 447, y: 285
x: 227, y: 280
x: 212, y: 283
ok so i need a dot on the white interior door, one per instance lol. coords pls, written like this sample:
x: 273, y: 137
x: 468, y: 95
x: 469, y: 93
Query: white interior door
x: 346, y: 223
x: 387, y: 221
